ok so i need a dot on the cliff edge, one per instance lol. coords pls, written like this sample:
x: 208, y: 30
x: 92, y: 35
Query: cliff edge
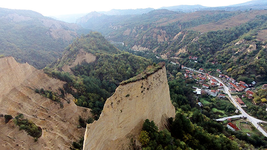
x: 125, y: 111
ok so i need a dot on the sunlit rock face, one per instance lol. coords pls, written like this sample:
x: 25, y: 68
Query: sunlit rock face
x: 126, y: 110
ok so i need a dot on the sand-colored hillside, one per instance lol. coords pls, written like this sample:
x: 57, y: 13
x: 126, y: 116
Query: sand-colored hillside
x: 81, y: 57
x: 17, y: 95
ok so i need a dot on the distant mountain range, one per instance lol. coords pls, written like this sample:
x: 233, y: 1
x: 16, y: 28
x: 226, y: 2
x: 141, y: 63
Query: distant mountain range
x: 253, y: 4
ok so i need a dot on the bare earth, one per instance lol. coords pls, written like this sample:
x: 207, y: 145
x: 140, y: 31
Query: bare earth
x: 81, y: 57
x: 17, y: 95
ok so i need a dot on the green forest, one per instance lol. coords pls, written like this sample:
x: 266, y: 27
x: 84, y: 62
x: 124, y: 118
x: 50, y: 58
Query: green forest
x: 192, y: 128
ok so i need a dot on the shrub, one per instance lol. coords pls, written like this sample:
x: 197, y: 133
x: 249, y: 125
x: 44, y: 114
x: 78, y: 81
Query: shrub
x: 7, y: 118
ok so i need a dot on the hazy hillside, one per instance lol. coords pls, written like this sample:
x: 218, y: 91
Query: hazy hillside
x: 250, y: 5
x: 185, y: 8
x: 30, y: 37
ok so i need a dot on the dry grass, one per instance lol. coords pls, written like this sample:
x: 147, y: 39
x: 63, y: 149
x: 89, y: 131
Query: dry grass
x: 234, y: 21
x: 262, y: 35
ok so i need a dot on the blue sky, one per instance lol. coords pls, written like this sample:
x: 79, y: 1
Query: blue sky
x: 62, y: 7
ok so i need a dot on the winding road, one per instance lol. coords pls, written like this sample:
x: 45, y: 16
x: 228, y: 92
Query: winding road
x: 251, y: 119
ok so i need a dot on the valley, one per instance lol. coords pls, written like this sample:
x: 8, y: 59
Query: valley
x: 180, y: 77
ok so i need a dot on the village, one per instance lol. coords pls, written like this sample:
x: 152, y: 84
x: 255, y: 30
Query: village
x: 212, y: 87
x: 206, y: 84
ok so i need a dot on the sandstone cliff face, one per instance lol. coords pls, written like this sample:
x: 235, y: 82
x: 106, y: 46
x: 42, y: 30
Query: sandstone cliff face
x: 17, y: 95
x: 126, y: 110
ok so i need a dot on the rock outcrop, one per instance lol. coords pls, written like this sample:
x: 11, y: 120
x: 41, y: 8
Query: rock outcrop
x: 126, y: 110
x: 81, y: 57
x: 17, y: 95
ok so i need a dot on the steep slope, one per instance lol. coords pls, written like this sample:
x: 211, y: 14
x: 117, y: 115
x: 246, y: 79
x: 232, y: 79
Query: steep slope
x: 125, y: 111
x: 57, y: 119
x: 30, y: 37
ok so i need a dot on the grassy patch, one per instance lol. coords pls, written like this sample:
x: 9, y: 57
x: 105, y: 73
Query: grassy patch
x: 246, y: 127
x: 204, y: 101
x: 215, y: 110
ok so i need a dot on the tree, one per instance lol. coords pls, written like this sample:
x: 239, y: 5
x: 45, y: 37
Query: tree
x: 144, y: 138
x: 264, y: 100
x: 149, y: 126
x: 256, y: 99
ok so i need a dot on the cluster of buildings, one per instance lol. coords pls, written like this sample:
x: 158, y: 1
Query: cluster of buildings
x: 193, y: 57
x: 212, y: 87
x: 240, y: 86
x: 209, y: 85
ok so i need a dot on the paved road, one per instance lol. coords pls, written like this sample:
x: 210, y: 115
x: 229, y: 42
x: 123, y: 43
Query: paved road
x: 225, y: 118
x: 251, y: 119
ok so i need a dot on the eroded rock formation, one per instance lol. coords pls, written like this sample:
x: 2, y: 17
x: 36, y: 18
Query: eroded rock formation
x: 17, y: 95
x: 126, y: 110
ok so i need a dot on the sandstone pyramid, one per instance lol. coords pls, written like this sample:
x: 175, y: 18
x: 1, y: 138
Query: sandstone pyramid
x: 126, y: 110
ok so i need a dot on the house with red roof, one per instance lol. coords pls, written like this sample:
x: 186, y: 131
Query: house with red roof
x: 201, y: 69
x: 212, y: 92
x: 205, y: 86
x: 232, y: 127
x: 243, y: 86
x: 213, y: 84
x: 236, y: 87
x: 242, y: 83
x: 218, y: 70
x: 239, y: 100
x: 203, y: 78
x: 213, y: 81
x: 220, y: 85
x: 249, y: 94
x: 221, y: 96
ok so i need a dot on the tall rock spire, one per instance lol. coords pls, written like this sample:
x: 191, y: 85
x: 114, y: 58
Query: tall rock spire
x: 134, y: 101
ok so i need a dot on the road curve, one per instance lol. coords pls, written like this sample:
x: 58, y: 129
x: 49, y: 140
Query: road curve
x: 251, y: 119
